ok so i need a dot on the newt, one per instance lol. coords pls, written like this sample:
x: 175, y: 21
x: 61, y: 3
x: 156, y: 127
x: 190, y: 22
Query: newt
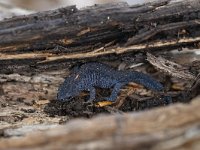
x: 95, y: 74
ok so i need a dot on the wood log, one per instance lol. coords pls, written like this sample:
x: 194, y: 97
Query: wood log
x: 52, y: 40
x: 174, y: 127
x: 38, y: 50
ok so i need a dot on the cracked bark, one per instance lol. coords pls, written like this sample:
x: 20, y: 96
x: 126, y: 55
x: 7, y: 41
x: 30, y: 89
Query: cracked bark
x: 53, y: 40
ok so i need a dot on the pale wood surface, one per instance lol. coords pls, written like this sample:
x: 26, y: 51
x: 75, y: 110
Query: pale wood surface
x: 173, y: 127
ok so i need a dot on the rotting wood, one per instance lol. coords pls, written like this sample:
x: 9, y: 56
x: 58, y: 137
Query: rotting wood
x: 37, y: 51
x: 57, y: 37
x: 175, y: 127
x: 169, y: 67
x: 23, y: 58
x: 32, y: 46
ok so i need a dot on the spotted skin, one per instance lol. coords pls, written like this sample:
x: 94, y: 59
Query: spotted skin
x: 93, y: 74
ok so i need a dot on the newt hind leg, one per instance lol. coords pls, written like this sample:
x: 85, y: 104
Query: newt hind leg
x: 92, y: 94
x: 115, y: 92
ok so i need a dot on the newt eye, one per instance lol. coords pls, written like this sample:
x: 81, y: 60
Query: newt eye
x: 62, y: 100
x: 69, y: 98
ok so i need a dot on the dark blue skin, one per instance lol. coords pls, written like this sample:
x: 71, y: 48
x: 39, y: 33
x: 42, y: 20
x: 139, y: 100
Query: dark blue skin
x: 93, y: 74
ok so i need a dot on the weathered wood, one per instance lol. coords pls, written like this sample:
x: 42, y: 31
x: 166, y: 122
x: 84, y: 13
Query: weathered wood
x: 175, y: 127
x: 37, y: 51
x: 51, y: 40
x: 170, y: 68
x: 37, y: 46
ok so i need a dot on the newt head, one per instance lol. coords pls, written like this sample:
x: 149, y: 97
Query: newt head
x: 68, y: 89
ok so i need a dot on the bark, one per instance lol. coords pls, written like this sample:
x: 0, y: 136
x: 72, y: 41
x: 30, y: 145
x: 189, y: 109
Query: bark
x: 52, y: 40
